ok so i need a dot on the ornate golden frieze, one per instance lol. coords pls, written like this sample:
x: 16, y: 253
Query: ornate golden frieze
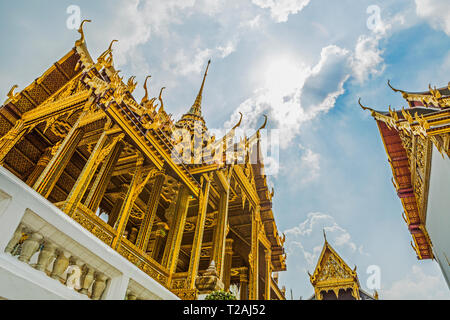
x: 94, y: 224
x: 143, y: 262
x: 186, y: 294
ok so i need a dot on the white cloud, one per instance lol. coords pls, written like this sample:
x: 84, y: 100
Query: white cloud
x: 252, y: 23
x: 185, y: 64
x: 138, y: 21
x: 281, y: 9
x: 227, y: 49
x: 436, y: 12
x: 367, y: 59
x: 310, y: 165
x: 313, y: 225
x: 417, y: 285
x: 294, y: 93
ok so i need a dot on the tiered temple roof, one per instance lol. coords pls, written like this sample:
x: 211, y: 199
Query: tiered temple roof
x: 333, y: 279
x: 78, y: 136
x: 409, y: 135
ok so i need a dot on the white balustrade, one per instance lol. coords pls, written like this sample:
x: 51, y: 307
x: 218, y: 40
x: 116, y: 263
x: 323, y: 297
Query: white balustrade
x: 44, y: 254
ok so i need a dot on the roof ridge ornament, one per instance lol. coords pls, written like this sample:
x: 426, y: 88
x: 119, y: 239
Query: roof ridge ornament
x: 131, y: 84
x: 101, y: 60
x: 11, y: 95
x: 161, y: 108
x: 145, y: 98
x: 364, y: 107
x: 80, y: 31
x: 264, y: 124
x: 395, y: 90
x: 239, y: 122
x: 434, y: 92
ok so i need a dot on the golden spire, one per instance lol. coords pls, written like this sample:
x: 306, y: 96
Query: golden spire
x: 196, y: 108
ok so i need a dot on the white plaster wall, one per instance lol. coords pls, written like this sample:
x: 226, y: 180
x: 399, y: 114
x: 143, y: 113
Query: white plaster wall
x: 438, y: 211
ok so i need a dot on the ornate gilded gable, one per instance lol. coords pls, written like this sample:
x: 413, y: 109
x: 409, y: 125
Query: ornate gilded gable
x: 333, y: 274
x: 331, y: 267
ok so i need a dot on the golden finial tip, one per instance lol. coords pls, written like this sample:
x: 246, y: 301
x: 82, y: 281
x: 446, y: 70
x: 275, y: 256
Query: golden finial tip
x: 111, y: 43
x: 390, y: 86
x: 239, y: 122
x: 10, y: 93
x: 265, y: 122
x: 80, y: 31
x: 361, y: 105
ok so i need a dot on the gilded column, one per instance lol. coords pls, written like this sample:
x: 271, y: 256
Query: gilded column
x: 86, y: 175
x: 119, y: 200
x: 199, y: 228
x: 218, y: 254
x: 268, y: 275
x: 160, y: 236
x: 127, y: 205
x: 150, y: 213
x: 103, y: 177
x: 40, y: 165
x: 254, y: 257
x: 173, y: 243
x: 56, y: 166
x: 227, y: 264
x: 243, y: 286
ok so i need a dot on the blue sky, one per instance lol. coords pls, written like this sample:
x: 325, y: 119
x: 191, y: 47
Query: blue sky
x: 304, y: 63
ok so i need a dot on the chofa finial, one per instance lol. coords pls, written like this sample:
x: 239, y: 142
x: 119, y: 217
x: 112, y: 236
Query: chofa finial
x: 80, y: 30
x: 11, y: 95
x: 395, y: 90
x: 160, y: 98
x: 145, y: 98
x: 239, y: 122
x: 264, y: 124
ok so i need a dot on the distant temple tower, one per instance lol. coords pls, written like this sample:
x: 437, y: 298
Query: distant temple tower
x: 417, y: 140
x: 333, y: 279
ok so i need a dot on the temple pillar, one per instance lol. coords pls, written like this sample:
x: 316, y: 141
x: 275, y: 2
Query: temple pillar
x: 173, y: 243
x: 219, y: 237
x: 103, y: 177
x: 198, y: 235
x: 133, y: 234
x: 268, y: 277
x: 124, y: 213
x: 160, y: 236
x: 58, y: 163
x: 149, y: 216
x: 227, y: 264
x: 254, y: 257
x: 40, y: 166
x: 86, y: 175
x: 243, y: 283
x: 114, y: 214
